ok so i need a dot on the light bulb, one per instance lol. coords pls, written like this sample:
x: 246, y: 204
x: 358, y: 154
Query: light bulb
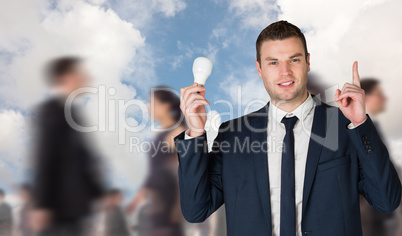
x: 202, y: 69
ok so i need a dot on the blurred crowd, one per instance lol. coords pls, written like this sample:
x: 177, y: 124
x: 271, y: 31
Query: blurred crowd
x: 109, y: 218
x: 67, y: 196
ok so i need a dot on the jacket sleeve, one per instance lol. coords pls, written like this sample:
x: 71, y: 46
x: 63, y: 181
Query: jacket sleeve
x: 379, y: 181
x: 200, y: 176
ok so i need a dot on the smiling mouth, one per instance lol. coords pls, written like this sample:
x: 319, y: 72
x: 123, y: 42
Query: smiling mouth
x: 286, y: 84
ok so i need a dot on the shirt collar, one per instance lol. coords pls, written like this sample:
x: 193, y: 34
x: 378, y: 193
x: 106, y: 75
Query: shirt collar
x: 301, y: 112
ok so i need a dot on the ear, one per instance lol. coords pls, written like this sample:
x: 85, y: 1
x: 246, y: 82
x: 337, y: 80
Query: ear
x: 257, y: 64
x: 308, y: 62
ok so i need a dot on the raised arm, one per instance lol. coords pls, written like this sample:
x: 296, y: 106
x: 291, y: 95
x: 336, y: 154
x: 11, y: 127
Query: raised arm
x: 379, y: 181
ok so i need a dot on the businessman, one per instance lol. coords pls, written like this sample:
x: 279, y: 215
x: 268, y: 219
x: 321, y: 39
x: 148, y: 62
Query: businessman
x: 66, y: 175
x: 309, y: 186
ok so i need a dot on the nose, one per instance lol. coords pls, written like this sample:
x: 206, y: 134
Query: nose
x: 285, y: 69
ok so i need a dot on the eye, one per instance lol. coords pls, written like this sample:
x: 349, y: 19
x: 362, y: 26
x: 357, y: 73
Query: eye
x: 273, y: 63
x: 295, y: 60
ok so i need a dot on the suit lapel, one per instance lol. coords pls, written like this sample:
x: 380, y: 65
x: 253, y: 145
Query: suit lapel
x: 260, y: 123
x: 318, y: 135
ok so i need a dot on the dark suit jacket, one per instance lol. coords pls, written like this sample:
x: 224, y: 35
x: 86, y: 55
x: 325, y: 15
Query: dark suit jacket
x: 66, y: 177
x: 341, y: 164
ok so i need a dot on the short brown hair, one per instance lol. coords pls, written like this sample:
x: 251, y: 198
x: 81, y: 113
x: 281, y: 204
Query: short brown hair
x: 368, y: 84
x: 59, y: 67
x: 278, y: 31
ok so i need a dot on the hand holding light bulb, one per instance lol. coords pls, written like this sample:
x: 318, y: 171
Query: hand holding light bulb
x: 192, y: 98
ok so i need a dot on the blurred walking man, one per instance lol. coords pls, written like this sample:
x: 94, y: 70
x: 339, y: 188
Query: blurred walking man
x: 66, y: 178
x: 373, y: 222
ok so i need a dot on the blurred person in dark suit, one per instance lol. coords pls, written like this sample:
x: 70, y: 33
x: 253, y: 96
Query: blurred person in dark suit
x: 6, y: 220
x: 66, y: 177
x: 162, y: 215
x: 373, y: 222
x: 116, y: 224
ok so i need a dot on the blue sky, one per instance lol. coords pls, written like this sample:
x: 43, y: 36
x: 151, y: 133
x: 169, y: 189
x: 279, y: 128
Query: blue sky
x: 132, y: 45
x: 203, y: 28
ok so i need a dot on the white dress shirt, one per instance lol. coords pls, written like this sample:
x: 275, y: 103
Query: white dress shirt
x: 276, y: 133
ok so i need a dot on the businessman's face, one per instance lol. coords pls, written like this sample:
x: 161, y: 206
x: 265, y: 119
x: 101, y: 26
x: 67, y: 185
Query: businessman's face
x: 283, y: 69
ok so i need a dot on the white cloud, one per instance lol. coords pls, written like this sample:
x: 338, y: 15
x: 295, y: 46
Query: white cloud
x: 12, y: 128
x: 141, y: 12
x: 14, y: 137
x: 74, y: 28
x: 97, y: 2
x: 254, y: 13
x: 169, y: 7
x: 221, y: 33
x: 190, y: 51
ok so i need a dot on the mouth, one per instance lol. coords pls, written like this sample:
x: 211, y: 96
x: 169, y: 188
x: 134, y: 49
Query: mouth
x: 286, y: 84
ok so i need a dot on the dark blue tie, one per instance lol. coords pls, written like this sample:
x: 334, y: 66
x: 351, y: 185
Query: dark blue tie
x: 288, y: 208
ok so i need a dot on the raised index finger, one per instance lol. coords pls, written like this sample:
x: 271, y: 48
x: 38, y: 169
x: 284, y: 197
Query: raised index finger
x: 356, y: 77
